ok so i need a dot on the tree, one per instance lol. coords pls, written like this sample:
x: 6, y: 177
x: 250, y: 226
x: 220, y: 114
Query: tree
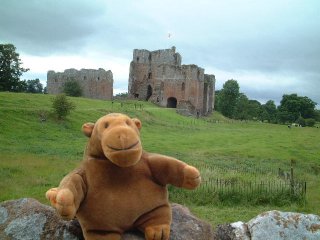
x: 241, y: 109
x: 307, y: 107
x: 10, y: 69
x: 72, y: 88
x: 301, y: 121
x: 217, y: 100
x: 21, y: 86
x: 293, y: 106
x: 34, y: 86
x: 269, y: 111
x: 254, y: 110
x: 310, y: 122
x: 62, y: 106
x: 121, y: 96
x: 228, y: 97
x: 317, y: 115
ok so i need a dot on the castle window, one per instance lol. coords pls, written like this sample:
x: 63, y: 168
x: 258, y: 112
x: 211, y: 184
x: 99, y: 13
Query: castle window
x: 150, y: 57
x: 183, y: 86
x: 84, y: 78
x: 137, y: 59
x: 149, y: 75
x: 98, y: 78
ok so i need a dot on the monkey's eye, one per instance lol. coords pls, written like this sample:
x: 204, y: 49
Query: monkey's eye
x: 106, y: 125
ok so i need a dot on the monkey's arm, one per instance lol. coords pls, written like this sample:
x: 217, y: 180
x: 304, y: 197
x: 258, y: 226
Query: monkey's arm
x: 69, y: 195
x: 168, y: 170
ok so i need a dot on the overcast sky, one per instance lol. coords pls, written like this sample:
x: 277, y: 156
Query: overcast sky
x: 270, y: 47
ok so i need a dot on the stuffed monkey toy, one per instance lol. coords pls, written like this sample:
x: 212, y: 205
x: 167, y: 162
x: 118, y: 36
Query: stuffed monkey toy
x: 118, y: 186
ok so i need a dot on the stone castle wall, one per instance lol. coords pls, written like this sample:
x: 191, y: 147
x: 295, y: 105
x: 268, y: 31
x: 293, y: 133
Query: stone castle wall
x: 158, y: 76
x: 96, y: 84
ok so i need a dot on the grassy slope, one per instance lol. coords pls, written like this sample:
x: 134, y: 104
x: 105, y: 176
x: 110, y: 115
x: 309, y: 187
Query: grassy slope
x: 35, y: 155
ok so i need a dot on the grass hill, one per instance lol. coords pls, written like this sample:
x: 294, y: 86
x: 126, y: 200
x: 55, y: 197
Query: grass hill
x: 36, y: 151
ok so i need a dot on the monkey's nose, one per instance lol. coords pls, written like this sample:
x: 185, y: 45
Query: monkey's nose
x: 123, y: 140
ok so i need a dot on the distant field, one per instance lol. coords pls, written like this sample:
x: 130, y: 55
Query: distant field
x: 36, y: 150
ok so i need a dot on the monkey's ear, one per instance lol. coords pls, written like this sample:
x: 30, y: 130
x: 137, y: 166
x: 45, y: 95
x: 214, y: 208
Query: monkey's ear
x: 87, y: 129
x: 137, y: 122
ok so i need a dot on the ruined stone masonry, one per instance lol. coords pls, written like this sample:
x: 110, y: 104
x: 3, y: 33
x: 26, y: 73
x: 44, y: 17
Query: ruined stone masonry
x: 94, y: 83
x: 159, y: 77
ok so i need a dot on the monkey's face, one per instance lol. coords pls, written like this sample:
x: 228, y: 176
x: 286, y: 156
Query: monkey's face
x: 118, y: 137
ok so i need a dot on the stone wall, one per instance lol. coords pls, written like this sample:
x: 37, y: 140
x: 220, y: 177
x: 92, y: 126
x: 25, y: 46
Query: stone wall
x: 158, y: 76
x: 94, y: 83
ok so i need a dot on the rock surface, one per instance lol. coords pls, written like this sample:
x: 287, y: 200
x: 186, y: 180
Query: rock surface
x: 285, y: 225
x: 28, y: 219
x: 273, y: 225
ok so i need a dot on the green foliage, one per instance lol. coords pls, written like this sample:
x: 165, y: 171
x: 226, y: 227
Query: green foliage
x: 246, y: 109
x: 301, y: 121
x: 62, y: 106
x: 310, y: 122
x: 10, y: 69
x: 293, y: 106
x: 317, y: 115
x: 254, y: 110
x: 217, y: 100
x: 241, y: 109
x: 269, y: 112
x: 121, y: 96
x: 72, y: 88
x: 34, y: 86
x: 228, y: 97
x: 233, y: 104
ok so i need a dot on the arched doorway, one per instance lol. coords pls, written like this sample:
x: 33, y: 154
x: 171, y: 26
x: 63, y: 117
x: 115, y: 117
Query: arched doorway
x: 172, y: 102
x: 149, y: 92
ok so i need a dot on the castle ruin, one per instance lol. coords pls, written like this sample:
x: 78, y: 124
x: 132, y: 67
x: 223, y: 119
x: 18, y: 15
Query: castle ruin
x: 159, y: 77
x: 94, y: 83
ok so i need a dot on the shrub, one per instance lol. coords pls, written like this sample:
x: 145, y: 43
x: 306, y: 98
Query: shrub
x: 72, y: 88
x: 310, y: 122
x: 62, y: 106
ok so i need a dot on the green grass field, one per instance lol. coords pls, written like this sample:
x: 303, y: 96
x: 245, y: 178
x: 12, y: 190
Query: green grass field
x: 36, y: 154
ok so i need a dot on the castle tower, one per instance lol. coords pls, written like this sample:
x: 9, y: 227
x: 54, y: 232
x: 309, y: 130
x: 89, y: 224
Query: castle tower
x: 158, y: 76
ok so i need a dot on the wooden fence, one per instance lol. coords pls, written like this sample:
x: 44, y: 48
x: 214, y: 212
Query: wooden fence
x: 268, y: 186
x: 296, y: 188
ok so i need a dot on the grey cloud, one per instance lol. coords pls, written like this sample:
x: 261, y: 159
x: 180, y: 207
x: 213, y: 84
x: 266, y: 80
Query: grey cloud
x: 42, y: 27
x: 303, y: 84
x: 264, y: 95
x: 259, y: 36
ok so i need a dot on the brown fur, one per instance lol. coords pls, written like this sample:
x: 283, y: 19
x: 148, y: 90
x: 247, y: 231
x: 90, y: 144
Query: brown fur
x: 119, y: 186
